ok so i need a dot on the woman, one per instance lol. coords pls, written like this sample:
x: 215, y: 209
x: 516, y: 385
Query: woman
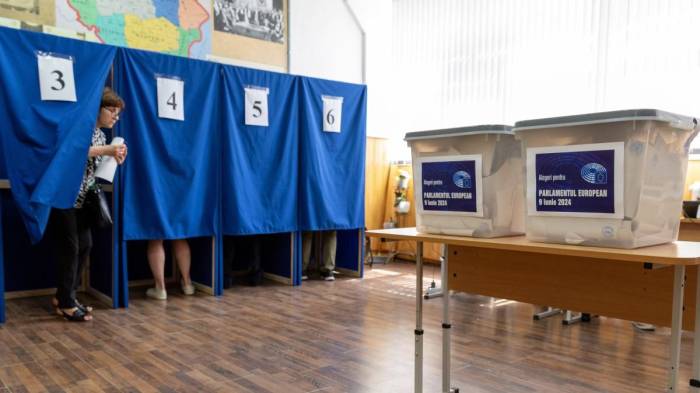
x: 156, y: 259
x: 70, y: 228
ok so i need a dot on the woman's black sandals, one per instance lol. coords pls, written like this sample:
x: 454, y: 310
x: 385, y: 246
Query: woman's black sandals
x: 78, y: 315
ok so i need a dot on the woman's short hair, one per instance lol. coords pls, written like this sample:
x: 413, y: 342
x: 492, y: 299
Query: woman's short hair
x: 111, y: 98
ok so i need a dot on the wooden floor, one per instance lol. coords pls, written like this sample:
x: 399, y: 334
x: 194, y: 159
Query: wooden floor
x: 347, y: 336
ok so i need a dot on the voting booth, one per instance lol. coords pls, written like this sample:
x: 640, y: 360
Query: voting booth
x: 259, y: 172
x: 48, y: 105
x: 171, y: 177
x: 332, y: 168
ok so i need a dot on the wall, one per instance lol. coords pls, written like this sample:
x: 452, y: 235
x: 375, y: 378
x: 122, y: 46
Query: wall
x: 326, y: 42
x: 376, y: 179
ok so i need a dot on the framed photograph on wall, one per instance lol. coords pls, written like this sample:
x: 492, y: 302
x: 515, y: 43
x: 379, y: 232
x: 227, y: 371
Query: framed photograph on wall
x: 251, y: 30
x: 260, y: 19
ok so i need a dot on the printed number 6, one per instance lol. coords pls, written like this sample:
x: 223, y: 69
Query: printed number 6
x: 59, y: 79
x: 256, y: 107
x: 330, y: 119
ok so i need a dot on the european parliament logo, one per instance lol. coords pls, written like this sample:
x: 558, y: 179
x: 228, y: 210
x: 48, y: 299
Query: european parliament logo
x: 462, y: 179
x: 594, y: 173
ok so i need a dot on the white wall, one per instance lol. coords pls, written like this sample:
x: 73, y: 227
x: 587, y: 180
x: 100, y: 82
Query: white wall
x: 325, y: 42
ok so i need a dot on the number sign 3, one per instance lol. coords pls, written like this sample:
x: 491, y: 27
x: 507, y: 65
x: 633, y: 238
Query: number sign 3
x: 56, y: 82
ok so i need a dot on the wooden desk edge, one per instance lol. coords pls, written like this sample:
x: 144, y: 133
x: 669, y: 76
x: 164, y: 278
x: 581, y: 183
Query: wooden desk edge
x: 640, y: 255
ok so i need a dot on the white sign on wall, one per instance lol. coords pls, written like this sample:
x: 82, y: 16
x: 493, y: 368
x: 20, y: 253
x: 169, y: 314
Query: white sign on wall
x: 332, y: 113
x: 56, y: 82
x: 171, y: 102
x: 256, y: 110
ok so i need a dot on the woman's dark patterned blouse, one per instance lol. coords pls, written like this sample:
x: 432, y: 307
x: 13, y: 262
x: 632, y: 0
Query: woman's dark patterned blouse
x: 98, y: 139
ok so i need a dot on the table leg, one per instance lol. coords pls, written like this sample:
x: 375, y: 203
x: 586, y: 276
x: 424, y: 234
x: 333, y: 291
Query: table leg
x: 418, y: 371
x: 446, y: 327
x: 695, y: 376
x: 676, y: 325
x: 549, y: 312
x: 432, y: 291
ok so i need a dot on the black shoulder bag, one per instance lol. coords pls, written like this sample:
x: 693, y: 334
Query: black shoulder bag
x: 97, y: 208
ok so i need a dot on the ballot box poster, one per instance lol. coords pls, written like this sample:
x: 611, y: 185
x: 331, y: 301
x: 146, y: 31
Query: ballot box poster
x: 576, y: 180
x: 450, y: 185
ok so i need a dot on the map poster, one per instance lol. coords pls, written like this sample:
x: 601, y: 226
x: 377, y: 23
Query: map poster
x: 180, y: 28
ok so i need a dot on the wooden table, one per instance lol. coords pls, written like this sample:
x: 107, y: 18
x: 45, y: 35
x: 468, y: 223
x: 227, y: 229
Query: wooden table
x: 637, y: 285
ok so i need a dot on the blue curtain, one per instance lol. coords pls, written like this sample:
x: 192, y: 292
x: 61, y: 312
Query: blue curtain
x: 170, y: 181
x: 332, y: 166
x: 44, y: 144
x: 260, y: 164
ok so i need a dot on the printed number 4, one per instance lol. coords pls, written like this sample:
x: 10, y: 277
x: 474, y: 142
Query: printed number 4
x: 59, y: 79
x: 171, y: 101
x: 256, y: 107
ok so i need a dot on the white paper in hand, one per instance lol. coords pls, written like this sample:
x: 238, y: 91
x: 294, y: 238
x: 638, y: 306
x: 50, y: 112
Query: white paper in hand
x: 108, y: 166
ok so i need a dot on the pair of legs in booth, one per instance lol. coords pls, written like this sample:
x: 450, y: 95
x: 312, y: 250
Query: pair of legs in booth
x: 156, y: 260
x: 326, y: 264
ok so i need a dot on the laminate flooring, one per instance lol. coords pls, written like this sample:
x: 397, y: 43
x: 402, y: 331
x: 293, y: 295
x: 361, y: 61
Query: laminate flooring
x: 351, y: 335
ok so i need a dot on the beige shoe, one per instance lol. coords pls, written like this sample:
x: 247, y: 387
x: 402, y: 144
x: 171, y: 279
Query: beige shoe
x: 158, y: 294
x: 187, y: 289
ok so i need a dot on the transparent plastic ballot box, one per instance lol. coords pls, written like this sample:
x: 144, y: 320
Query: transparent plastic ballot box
x: 468, y: 181
x: 610, y: 179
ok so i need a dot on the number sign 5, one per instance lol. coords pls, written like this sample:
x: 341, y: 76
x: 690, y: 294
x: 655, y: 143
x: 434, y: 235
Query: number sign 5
x: 256, y: 113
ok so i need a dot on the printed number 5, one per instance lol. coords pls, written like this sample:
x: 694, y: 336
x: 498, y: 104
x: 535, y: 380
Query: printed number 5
x: 330, y: 119
x: 256, y: 107
x: 59, y: 79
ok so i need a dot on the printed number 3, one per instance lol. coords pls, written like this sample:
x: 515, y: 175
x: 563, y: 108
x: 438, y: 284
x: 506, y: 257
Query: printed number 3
x: 59, y: 79
x: 171, y: 101
x: 256, y: 107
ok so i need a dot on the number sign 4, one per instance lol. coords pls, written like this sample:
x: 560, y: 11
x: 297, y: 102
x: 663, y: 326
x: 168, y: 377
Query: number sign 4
x: 171, y: 103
